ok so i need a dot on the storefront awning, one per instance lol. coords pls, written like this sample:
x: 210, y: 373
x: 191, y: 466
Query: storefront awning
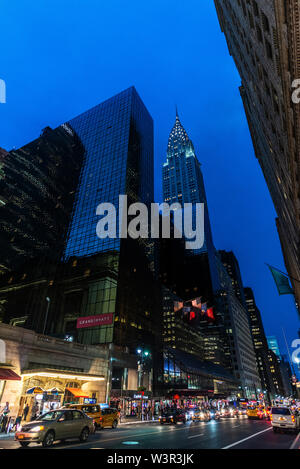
x: 63, y: 374
x: 6, y: 374
x: 35, y: 390
x: 77, y: 392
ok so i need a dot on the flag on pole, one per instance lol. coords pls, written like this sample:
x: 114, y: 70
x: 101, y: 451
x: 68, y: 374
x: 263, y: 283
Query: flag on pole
x: 281, y: 281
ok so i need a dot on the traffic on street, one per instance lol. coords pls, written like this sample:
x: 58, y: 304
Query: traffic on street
x: 247, y: 427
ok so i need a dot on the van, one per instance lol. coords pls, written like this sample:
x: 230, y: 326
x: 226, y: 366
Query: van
x: 108, y: 417
x: 285, y: 419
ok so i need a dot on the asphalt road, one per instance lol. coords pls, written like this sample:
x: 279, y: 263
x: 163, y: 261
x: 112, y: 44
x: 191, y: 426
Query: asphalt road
x: 228, y: 433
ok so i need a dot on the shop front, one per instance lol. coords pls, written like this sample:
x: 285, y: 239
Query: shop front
x: 133, y: 404
x: 46, y: 389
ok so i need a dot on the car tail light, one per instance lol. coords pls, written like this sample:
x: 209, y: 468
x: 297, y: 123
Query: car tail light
x: 293, y: 419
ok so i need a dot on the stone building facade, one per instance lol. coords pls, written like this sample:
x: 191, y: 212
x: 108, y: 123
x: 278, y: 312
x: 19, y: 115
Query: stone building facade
x: 46, y: 371
x: 263, y: 37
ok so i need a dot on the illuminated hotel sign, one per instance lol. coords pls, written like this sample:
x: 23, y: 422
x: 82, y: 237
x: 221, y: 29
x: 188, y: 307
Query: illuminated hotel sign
x: 139, y: 396
x: 94, y: 321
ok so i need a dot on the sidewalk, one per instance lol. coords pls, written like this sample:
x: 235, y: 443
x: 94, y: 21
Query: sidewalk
x: 7, y: 435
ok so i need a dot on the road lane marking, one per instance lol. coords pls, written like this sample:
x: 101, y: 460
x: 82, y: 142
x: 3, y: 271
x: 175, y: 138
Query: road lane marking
x: 248, y: 438
x: 195, y: 436
x: 173, y: 430
x: 296, y: 440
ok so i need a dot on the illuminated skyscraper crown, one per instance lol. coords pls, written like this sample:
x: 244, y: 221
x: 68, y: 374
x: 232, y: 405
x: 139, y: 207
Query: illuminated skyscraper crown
x: 179, y: 141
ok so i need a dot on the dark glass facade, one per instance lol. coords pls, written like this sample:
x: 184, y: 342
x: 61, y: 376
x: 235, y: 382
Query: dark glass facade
x: 37, y: 187
x: 84, y: 275
x: 118, y: 139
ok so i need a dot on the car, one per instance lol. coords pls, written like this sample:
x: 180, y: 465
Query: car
x: 228, y: 412
x: 267, y: 411
x: 214, y: 414
x: 172, y: 417
x: 60, y: 424
x: 107, y: 417
x: 254, y: 412
x: 242, y: 412
x: 201, y: 415
x: 285, y: 419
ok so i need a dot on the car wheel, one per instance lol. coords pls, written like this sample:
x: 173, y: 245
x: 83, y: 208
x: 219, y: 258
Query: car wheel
x: 48, y: 440
x: 115, y: 424
x: 84, y: 435
x: 24, y: 444
x: 275, y: 429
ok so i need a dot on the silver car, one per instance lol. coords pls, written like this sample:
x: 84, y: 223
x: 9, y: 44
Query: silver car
x: 59, y: 424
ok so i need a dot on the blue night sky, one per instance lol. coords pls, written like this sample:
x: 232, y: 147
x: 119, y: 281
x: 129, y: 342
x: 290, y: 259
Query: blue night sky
x: 60, y: 58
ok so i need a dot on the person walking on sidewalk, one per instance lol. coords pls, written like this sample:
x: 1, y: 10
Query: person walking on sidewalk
x: 25, y: 412
x: 4, y: 417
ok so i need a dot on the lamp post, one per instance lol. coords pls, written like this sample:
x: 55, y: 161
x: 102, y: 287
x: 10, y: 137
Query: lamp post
x: 143, y: 354
x: 46, y: 315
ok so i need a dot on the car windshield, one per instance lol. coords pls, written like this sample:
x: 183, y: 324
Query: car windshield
x: 280, y: 411
x: 52, y: 415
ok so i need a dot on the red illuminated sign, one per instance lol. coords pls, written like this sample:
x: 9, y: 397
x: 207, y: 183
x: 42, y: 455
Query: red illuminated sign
x: 93, y: 321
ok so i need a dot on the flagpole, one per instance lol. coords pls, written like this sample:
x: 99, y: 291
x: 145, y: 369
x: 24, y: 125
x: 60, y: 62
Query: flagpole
x: 288, y: 351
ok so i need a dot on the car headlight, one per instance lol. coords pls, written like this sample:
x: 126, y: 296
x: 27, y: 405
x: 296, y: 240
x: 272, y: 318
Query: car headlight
x: 38, y: 428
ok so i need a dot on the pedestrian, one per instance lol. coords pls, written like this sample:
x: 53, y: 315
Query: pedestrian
x: 25, y: 412
x: 4, y: 417
x: 17, y: 423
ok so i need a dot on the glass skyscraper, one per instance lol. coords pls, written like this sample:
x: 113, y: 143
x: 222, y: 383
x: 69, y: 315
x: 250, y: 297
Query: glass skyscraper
x: 273, y: 345
x: 86, y: 276
x: 37, y: 187
x: 118, y: 139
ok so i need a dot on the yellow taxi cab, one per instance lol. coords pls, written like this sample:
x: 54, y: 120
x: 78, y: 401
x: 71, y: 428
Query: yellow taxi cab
x: 103, y: 417
x: 254, y: 412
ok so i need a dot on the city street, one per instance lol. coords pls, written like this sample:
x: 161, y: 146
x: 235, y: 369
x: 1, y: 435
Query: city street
x: 224, y: 434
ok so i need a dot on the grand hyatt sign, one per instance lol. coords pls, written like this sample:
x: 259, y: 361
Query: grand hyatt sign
x: 93, y: 321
